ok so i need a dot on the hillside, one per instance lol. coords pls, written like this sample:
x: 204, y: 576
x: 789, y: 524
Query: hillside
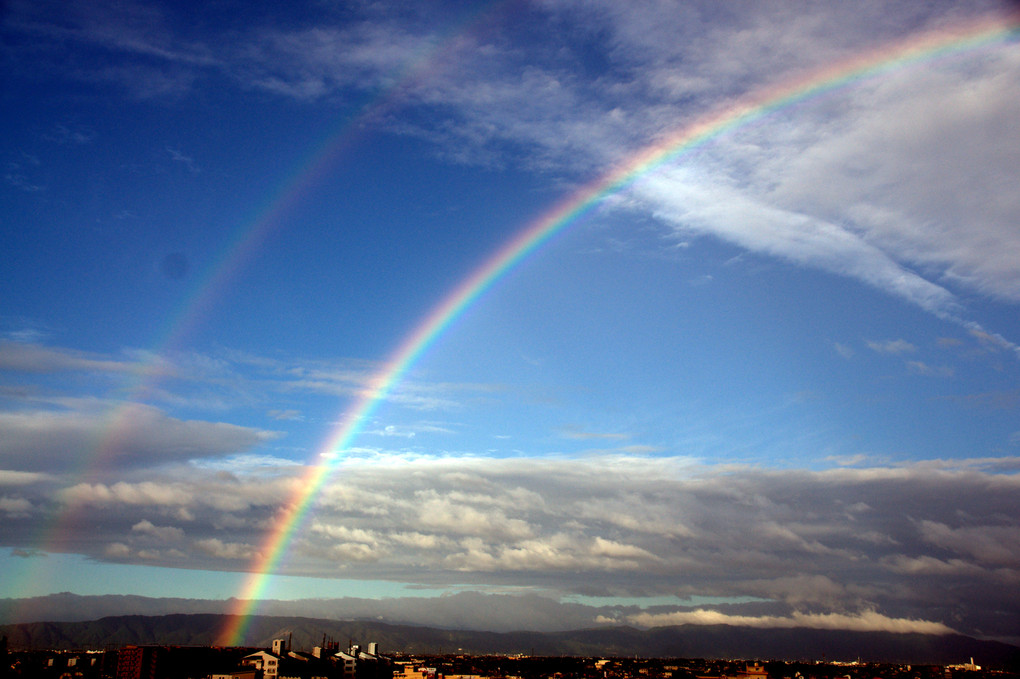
x: 710, y: 641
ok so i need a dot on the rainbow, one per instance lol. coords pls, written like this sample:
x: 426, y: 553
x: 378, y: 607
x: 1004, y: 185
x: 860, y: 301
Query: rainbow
x: 245, y: 241
x: 916, y: 49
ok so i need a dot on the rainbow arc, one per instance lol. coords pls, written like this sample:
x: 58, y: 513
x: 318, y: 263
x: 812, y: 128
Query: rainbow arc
x: 913, y: 50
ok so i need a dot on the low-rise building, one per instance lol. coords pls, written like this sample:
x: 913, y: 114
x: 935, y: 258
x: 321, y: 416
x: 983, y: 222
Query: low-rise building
x: 356, y: 663
x: 267, y: 662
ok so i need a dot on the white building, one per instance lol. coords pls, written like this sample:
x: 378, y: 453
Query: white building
x: 359, y: 664
x: 266, y: 661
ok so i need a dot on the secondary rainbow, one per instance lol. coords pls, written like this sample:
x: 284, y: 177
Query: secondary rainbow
x: 925, y: 47
x: 248, y: 237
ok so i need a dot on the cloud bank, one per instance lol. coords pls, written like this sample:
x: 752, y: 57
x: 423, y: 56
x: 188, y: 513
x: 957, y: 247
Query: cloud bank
x: 843, y: 548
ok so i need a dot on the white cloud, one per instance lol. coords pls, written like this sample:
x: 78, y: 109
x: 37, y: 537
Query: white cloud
x: 314, y: 62
x: 15, y: 478
x: 843, y: 350
x: 145, y: 493
x: 421, y: 541
x: 898, y: 346
x: 117, y: 550
x: 915, y: 164
x: 289, y: 414
x: 558, y: 552
x: 346, y: 552
x: 866, y: 621
x: 694, y: 203
x: 218, y: 549
x: 161, y: 533
x: 344, y: 532
x: 178, y: 157
x: 617, y: 550
x: 446, y: 513
x: 922, y: 368
x: 15, y: 506
x: 897, y: 183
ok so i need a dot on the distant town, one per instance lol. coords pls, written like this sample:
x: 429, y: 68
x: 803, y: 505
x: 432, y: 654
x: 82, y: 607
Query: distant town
x: 355, y: 661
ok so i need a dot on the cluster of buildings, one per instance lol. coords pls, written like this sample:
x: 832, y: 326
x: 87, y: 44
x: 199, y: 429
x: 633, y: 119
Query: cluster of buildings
x: 328, y: 661
x: 189, y: 662
x: 323, y: 662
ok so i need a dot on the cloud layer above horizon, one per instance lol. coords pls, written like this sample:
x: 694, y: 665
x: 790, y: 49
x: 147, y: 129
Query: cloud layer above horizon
x: 799, y: 546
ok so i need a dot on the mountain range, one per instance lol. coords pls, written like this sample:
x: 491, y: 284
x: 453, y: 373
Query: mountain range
x: 703, y: 641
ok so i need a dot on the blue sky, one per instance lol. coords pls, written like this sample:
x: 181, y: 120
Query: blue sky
x: 774, y: 378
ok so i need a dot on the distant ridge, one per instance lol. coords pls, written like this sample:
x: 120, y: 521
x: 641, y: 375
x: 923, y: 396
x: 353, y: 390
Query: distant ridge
x: 463, y: 610
x: 707, y: 641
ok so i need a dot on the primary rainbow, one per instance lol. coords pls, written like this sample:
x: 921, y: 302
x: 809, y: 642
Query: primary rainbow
x: 915, y: 49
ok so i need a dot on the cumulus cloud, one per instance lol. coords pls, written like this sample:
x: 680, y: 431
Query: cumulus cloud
x: 117, y: 550
x: 219, y: 549
x: 145, y: 493
x: 162, y: 533
x: 842, y: 547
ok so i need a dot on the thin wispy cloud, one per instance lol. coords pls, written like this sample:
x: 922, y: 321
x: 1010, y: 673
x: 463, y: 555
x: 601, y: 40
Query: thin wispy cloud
x: 897, y: 346
x: 178, y: 157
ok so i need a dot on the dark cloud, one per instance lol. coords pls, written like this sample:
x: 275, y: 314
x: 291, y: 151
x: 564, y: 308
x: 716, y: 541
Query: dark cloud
x: 37, y: 358
x: 928, y: 542
x: 132, y: 435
